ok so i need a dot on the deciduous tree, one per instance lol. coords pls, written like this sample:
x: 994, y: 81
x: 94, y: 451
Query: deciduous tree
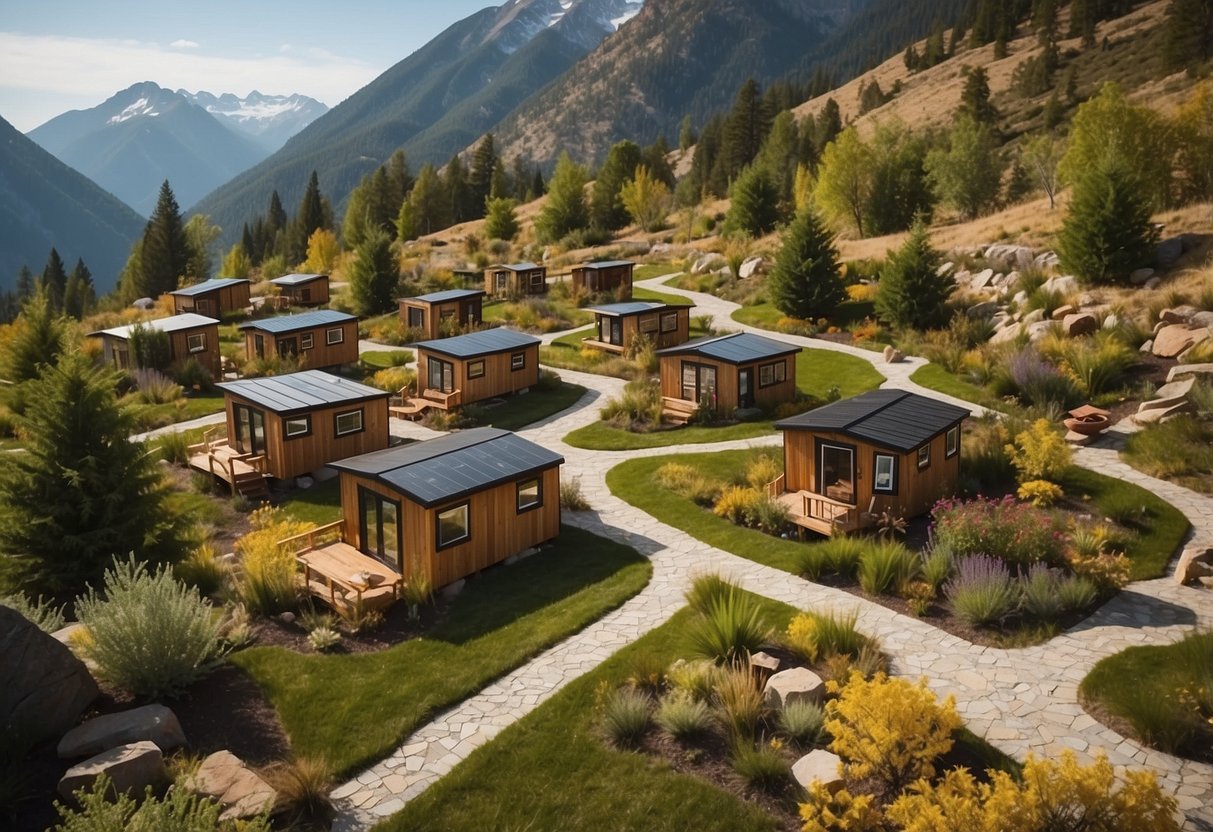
x: 967, y: 174
x: 646, y: 199
x: 500, y: 222
x: 565, y: 210
x: 843, y: 181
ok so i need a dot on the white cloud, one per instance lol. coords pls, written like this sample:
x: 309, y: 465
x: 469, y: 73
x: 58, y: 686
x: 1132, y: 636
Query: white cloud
x: 182, y: 43
x: 43, y: 76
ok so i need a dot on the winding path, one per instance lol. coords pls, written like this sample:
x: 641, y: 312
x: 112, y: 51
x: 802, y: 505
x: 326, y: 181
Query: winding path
x: 1022, y: 701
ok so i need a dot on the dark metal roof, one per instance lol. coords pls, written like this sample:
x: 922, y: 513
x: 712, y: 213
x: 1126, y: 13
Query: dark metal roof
x: 606, y: 264
x: 304, y: 320
x: 525, y: 266
x: 734, y: 348
x: 889, y: 418
x: 302, y: 391
x: 449, y: 294
x: 635, y: 307
x: 296, y: 279
x: 478, y: 343
x: 212, y: 285
x: 452, y: 466
x: 173, y: 323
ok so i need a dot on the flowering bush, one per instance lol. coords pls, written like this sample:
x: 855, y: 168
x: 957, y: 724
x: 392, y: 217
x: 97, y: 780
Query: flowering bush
x: 982, y: 591
x: 1107, y: 571
x: 838, y: 812
x: 1014, y: 532
x: 1040, y: 452
x: 1040, y: 493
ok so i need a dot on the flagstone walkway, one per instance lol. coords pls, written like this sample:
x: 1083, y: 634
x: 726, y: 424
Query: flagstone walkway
x: 1022, y: 701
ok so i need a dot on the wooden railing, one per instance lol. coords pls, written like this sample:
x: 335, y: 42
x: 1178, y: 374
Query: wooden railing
x: 776, y: 486
x: 443, y: 400
x: 842, y: 515
x: 310, y: 537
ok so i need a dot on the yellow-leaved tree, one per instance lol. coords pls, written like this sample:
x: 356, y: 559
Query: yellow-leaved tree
x: 322, y: 252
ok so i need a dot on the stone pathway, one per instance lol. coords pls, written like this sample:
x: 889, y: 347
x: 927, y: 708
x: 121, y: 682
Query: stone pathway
x: 1022, y: 701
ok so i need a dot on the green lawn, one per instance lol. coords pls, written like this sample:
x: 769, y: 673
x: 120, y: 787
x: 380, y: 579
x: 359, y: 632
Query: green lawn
x: 647, y: 271
x: 817, y: 371
x: 520, y: 411
x: 935, y: 377
x: 150, y: 416
x: 565, y: 352
x: 766, y: 316
x: 641, y: 293
x: 1179, y: 450
x: 319, y: 505
x: 351, y: 710
x: 382, y: 359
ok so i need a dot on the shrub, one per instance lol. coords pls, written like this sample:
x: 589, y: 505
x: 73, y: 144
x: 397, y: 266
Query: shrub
x: 1040, y: 453
x: 149, y: 634
x: 801, y: 722
x: 180, y: 810
x: 39, y: 612
x: 1040, y: 493
x: 1106, y: 571
x: 761, y: 470
x: 1099, y: 363
x: 174, y: 447
x: 1014, y: 532
x: 731, y: 627
x: 707, y: 591
x: 812, y: 561
x: 646, y: 671
x: 982, y: 591
x: 839, y: 811
x: 1036, y: 381
x: 885, y: 567
x: 761, y: 766
x: 202, y: 569
x: 697, y: 679
x: 303, y: 787
x: 1076, y: 593
x: 359, y: 618
x: 638, y: 406
x: 191, y: 375
x: 155, y: 387
x: 683, y: 716
x: 393, y: 379
x: 571, y: 497
x: 889, y: 729
x: 937, y: 565
x: 919, y: 596
x: 625, y: 716
x: 843, y: 554
x: 739, y: 702
x: 984, y: 463
x: 323, y: 638
x: 738, y: 504
x: 1039, y: 593
x: 267, y: 581
x: 814, y: 635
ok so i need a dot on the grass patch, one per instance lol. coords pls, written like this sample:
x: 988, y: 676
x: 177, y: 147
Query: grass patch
x: 600, y: 436
x: 1179, y: 451
x: 935, y: 377
x: 647, y: 271
x: 151, y: 416
x: 641, y: 293
x: 765, y: 316
x: 1159, y: 526
x: 383, y: 359
x: 351, y: 710
x: 817, y: 371
x: 319, y: 504
x: 519, y: 411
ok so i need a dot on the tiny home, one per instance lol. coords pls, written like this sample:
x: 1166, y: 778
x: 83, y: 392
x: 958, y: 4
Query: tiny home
x: 303, y: 289
x: 190, y: 336
x: 301, y: 421
x: 323, y: 338
x: 605, y: 276
x: 516, y: 279
x: 457, y: 371
x: 616, y: 324
x: 443, y: 313
x: 448, y: 507
x: 885, y: 450
x: 724, y: 372
x: 216, y: 297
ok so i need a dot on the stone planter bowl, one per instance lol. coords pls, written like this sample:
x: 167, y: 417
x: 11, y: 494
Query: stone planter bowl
x: 1087, y: 425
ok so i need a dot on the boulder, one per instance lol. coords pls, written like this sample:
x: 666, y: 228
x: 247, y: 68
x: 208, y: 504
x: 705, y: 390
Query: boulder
x: 796, y: 684
x: 46, y: 688
x: 130, y: 768
x: 1039, y: 330
x: 155, y: 723
x: 1203, y: 318
x: 1194, y: 563
x: 1020, y: 297
x: 225, y: 778
x: 985, y: 309
x: 1173, y: 339
x: 1168, y: 251
x: 1062, y: 284
x: 1046, y: 260
x: 961, y: 276
x: 945, y: 268
x: 1007, y: 334
x: 982, y: 279
x: 1176, y: 390
x: 1034, y: 316
x: 1182, y: 370
x: 1161, y: 414
x: 706, y: 263
x: 304, y: 482
x: 1063, y: 310
x: 1181, y: 314
x: 1147, y: 346
x: 1140, y: 276
x: 750, y: 267
x: 819, y: 765
x: 1152, y: 283
x: 1011, y: 256
x: 764, y: 661
x: 1080, y: 323
x: 892, y: 355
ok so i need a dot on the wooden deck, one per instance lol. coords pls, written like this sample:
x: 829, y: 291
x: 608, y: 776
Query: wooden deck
x: 677, y: 411
x: 605, y: 346
x: 820, y: 514
x: 407, y: 404
x: 339, y: 574
x: 245, y: 474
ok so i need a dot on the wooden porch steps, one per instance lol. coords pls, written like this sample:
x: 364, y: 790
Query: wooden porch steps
x: 677, y: 411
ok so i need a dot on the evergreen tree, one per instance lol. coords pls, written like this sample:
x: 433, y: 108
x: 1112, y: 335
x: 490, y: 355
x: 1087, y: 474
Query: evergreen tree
x: 607, y: 211
x: 828, y: 125
x: 805, y: 281
x: 871, y: 96
x: 399, y: 180
x: 480, y: 176
x: 166, y: 251
x: 1107, y: 232
x: 246, y: 240
x: 933, y: 50
x: 647, y: 200
x: 500, y: 186
x: 313, y: 213
x: 459, y: 192
x: 82, y: 491
x: 1019, y: 184
x: 912, y: 293
x: 780, y: 154
x: 520, y: 174
x: 429, y: 208
x: 746, y: 128
x: 975, y: 97
x: 911, y: 59
x: 25, y: 284
x: 500, y: 222
x: 39, y: 337
x: 80, y: 295
x: 565, y: 210
x: 686, y: 134
x: 1044, y: 19
x: 967, y: 174
x: 276, y: 215
x: 956, y: 38
x: 357, y: 219
x: 1193, y: 126
x: 538, y: 186
x: 1189, y: 33
x: 704, y: 160
x: 373, y: 276
x: 655, y: 158
x: 1053, y: 112
x: 382, y: 203
x: 755, y: 203
x: 54, y: 280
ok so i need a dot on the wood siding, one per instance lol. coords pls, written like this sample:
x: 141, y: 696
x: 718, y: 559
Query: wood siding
x: 516, y: 283
x: 727, y: 383
x: 467, y: 311
x: 299, y: 455
x: 499, y: 377
x: 322, y: 354
x: 497, y: 530
x: 604, y: 280
x: 116, y: 350
x: 650, y: 322
x: 317, y: 293
x: 234, y: 298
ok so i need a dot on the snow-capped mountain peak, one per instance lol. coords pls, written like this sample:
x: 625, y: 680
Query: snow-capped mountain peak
x: 142, y: 107
x: 582, y: 21
x: 268, y: 119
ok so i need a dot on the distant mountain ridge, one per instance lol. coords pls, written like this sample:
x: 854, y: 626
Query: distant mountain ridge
x: 44, y: 203
x: 269, y: 120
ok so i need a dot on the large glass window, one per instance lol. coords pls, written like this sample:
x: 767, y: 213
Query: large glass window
x: 769, y: 374
x: 698, y: 383
x: 836, y: 472
x: 453, y: 525
x: 349, y: 422
x: 416, y: 317
x: 440, y: 375
x: 530, y: 494
x: 379, y: 520
x: 250, y: 429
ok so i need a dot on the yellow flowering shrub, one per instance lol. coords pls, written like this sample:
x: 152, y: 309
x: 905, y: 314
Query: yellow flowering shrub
x: 838, y: 812
x: 737, y: 504
x: 267, y: 571
x: 890, y: 729
x: 861, y: 292
x: 1106, y: 570
x: 393, y: 379
x: 802, y: 636
x: 761, y: 470
x: 1040, y: 493
x: 1040, y: 452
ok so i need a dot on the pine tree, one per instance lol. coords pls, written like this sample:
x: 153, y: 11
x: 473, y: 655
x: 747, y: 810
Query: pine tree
x: 54, y: 280
x: 780, y: 154
x: 912, y: 293
x: 565, y: 210
x: 933, y: 50
x: 399, y: 178
x: 500, y: 222
x: 373, y: 276
x: 607, y: 211
x: 975, y: 96
x: 39, y: 336
x: 655, y: 158
x: 166, y: 250
x: 25, y: 284
x: 911, y: 59
x: 429, y: 208
x: 82, y: 491
x: 80, y: 295
x: 357, y: 219
x: 538, y: 186
x: 686, y: 134
x: 1107, y: 232
x: 806, y: 282
x: 746, y: 128
x: 201, y: 235
x: 755, y: 203
x: 1189, y: 33
x: 313, y: 213
x: 480, y: 176
x: 459, y: 192
x: 828, y: 126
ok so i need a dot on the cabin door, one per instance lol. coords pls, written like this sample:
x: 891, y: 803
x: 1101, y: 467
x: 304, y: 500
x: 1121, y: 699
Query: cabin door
x: 379, y: 527
x: 440, y: 375
x: 745, y: 387
x: 288, y: 347
x: 250, y: 429
x: 698, y: 383
x: 836, y: 472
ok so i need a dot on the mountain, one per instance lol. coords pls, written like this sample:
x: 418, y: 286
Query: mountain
x: 45, y: 203
x: 269, y: 120
x: 433, y: 103
x: 143, y: 135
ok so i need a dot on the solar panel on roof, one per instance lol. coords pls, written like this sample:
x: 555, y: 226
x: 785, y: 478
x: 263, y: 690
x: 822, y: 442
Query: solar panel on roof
x: 296, y: 279
x: 304, y: 320
x: 633, y: 308
x: 479, y: 343
x: 214, y: 284
x: 735, y: 348
x: 300, y: 391
x: 173, y: 323
x: 449, y: 294
x: 891, y: 418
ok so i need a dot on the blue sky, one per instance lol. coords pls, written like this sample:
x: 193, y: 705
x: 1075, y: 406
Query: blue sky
x: 60, y: 55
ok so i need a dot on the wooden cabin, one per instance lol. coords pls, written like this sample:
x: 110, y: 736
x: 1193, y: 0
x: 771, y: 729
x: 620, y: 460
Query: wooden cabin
x: 726, y: 372
x: 616, y: 324
x: 294, y: 424
x: 885, y: 450
x: 444, y: 509
x: 189, y: 335
x: 303, y: 289
x: 613, y: 276
x: 440, y: 314
x: 323, y: 338
x: 215, y: 297
x: 516, y: 279
x: 452, y: 372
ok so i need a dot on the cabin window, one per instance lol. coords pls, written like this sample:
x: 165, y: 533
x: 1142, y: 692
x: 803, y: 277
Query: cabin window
x: 305, y: 295
x: 348, y: 422
x: 518, y: 361
x: 530, y: 495
x: 196, y: 342
x: 836, y: 472
x: 416, y: 318
x: 699, y: 383
x: 250, y: 429
x: 307, y: 340
x: 476, y: 369
x: 440, y: 375
x: 924, y: 455
x: 536, y: 280
x: 648, y: 323
x: 259, y: 345
x: 769, y: 374
x: 452, y: 526
x: 202, y: 305
x: 952, y: 441
x: 334, y: 336
x: 884, y: 479
x: 669, y: 322
x: 297, y: 426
